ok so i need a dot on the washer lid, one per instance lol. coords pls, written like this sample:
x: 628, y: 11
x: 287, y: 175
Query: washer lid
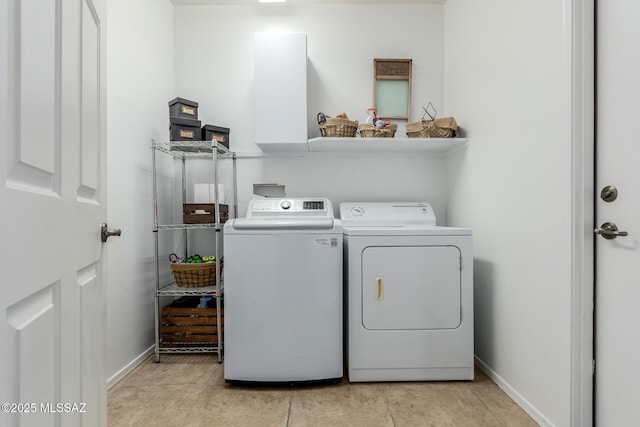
x: 382, y: 214
x: 284, y: 224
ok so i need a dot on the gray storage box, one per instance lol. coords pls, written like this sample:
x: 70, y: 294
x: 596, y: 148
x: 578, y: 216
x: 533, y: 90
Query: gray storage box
x: 184, y: 108
x: 184, y: 129
x: 220, y: 134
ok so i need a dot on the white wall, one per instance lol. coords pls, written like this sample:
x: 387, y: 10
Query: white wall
x: 140, y: 83
x: 508, y: 69
x: 214, y: 57
x: 214, y: 66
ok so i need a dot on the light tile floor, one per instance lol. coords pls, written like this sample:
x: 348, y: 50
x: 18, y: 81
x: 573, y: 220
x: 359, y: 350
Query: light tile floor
x: 189, y: 390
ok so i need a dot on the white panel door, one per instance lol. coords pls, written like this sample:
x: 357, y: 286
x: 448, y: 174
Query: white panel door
x: 617, y: 343
x: 411, y: 287
x: 52, y: 176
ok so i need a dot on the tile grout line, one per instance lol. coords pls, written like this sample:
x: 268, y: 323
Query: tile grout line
x: 386, y: 402
x: 191, y: 408
x: 485, y: 405
x: 289, y: 410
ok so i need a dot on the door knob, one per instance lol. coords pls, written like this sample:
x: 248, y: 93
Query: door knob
x: 609, y: 193
x: 609, y: 231
x: 106, y: 232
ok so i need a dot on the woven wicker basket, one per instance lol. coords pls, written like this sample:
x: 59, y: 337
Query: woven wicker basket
x: 337, y: 127
x: 194, y: 275
x: 445, y: 127
x: 368, y: 130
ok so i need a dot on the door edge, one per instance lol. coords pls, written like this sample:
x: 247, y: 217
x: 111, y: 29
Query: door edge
x: 582, y: 17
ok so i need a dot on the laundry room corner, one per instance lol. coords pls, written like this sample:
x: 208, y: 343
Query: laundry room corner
x: 138, y: 88
x: 513, y: 187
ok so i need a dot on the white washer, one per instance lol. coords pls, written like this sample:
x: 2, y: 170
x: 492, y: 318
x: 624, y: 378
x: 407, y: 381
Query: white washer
x: 283, y: 293
x: 408, y: 294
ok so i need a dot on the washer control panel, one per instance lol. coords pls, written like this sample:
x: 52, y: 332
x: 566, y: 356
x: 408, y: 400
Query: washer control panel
x: 290, y: 207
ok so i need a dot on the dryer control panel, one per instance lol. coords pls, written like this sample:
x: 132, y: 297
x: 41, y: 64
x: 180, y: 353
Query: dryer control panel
x: 387, y: 214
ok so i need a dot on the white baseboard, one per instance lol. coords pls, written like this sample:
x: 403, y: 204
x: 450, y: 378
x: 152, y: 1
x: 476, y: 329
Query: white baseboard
x: 537, y: 416
x: 129, y: 367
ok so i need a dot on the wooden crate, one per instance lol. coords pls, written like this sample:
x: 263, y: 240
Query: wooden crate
x: 191, y: 213
x: 190, y: 325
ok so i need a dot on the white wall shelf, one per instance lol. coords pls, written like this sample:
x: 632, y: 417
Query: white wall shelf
x: 426, y: 145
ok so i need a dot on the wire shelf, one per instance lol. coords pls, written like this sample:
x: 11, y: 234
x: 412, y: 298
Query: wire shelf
x: 175, y: 290
x: 192, y: 149
x: 186, y: 226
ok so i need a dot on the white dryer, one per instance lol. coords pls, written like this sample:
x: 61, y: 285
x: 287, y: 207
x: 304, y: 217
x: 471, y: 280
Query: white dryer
x: 408, y: 294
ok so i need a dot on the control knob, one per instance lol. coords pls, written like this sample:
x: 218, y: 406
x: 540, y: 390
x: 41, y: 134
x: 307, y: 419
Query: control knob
x: 285, y: 204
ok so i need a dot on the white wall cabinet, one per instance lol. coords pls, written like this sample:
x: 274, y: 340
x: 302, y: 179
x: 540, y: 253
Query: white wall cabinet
x: 280, y: 103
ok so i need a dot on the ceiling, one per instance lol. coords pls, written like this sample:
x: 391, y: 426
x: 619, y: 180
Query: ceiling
x: 251, y: 2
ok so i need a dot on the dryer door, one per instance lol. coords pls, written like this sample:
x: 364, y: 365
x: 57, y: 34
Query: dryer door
x: 411, y: 287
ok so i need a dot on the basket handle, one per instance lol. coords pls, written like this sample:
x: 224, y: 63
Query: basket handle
x: 172, y: 256
x: 427, y: 112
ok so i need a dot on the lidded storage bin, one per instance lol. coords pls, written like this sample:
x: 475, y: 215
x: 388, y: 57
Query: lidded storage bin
x: 185, y: 129
x: 220, y: 134
x: 183, y: 108
x: 185, y: 125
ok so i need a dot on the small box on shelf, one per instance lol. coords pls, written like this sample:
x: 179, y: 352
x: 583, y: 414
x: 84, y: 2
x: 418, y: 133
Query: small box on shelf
x: 218, y: 133
x: 183, y: 108
x: 203, y: 213
x: 184, y: 129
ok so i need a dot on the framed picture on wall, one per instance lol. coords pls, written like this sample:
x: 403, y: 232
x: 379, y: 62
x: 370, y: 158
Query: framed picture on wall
x: 392, y: 88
